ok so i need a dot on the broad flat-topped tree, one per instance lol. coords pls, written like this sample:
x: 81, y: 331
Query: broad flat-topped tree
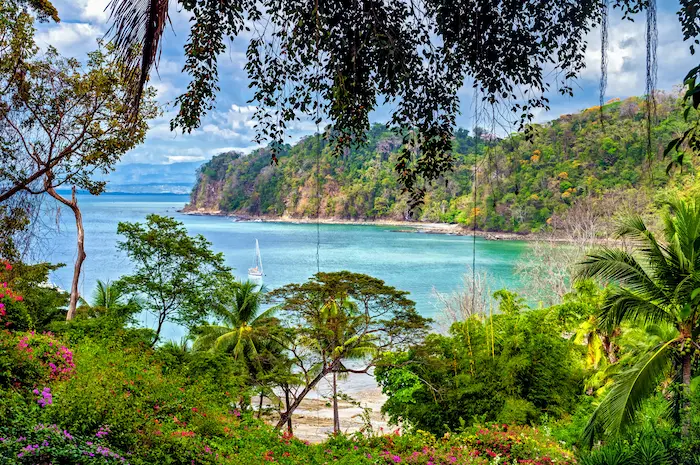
x: 341, y: 316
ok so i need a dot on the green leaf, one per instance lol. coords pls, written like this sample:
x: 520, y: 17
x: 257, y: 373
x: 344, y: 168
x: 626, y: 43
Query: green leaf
x: 694, y: 383
x: 686, y: 311
x: 695, y: 293
x: 671, y: 145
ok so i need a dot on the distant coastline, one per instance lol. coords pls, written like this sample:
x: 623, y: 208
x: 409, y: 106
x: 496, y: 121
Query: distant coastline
x: 402, y: 225
x: 123, y: 192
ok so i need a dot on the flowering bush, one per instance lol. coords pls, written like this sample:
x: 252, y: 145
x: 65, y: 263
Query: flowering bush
x: 128, y: 403
x: 51, y: 444
x: 13, y: 312
x: 49, y: 352
x: 477, y: 446
x: 518, y: 444
x: 159, y: 418
x: 30, y: 360
x: 44, y: 397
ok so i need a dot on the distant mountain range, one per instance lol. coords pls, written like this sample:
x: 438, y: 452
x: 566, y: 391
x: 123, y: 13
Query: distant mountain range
x: 147, y: 178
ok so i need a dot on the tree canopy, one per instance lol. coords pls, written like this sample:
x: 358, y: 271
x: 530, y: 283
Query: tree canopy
x: 179, y: 277
x: 340, y: 59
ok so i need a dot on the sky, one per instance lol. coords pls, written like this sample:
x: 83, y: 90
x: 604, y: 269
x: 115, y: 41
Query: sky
x: 230, y: 127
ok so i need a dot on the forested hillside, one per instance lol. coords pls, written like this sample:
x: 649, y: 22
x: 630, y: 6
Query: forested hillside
x: 521, y: 185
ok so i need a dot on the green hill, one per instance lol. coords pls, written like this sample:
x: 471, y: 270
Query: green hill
x: 521, y: 185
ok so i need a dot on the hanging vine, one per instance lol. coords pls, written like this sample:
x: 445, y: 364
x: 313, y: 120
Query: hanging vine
x: 603, y: 55
x: 652, y: 40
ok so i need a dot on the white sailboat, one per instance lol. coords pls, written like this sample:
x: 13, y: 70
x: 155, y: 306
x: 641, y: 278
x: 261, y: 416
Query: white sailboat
x: 256, y: 271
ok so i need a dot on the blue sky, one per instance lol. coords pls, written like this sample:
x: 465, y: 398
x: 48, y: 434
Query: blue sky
x: 230, y: 127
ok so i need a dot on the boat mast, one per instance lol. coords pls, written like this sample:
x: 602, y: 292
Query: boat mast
x: 258, y: 258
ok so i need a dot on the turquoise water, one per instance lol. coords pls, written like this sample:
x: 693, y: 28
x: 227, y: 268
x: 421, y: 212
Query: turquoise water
x: 418, y: 263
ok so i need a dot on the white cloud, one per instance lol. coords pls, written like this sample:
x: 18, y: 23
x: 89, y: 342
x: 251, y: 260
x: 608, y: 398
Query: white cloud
x: 167, y: 67
x: 165, y: 90
x: 160, y: 130
x: 73, y: 39
x: 245, y: 150
x: 246, y: 109
x: 94, y: 10
x: 183, y: 158
x: 627, y: 56
x: 224, y: 133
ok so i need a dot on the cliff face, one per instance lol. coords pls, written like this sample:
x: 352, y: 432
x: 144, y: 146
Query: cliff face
x: 205, y: 196
x: 522, y: 185
x: 359, y: 185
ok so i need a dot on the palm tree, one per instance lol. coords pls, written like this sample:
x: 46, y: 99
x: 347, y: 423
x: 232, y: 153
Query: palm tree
x: 338, y: 321
x: 105, y: 295
x: 658, y: 284
x: 239, y: 325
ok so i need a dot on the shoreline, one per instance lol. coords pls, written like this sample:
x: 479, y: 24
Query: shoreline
x: 411, y: 227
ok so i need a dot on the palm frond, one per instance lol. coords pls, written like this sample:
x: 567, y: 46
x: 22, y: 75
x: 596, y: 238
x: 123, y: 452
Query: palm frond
x: 227, y: 342
x: 621, y: 304
x: 206, y: 336
x: 618, y: 410
x: 632, y: 226
x: 619, y: 267
x: 683, y: 223
x: 247, y: 299
x: 136, y: 31
x: 267, y: 314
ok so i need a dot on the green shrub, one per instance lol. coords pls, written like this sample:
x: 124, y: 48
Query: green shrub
x: 518, y: 412
x: 644, y: 449
x: 149, y: 413
x: 13, y: 310
x: 28, y: 303
x: 521, y: 444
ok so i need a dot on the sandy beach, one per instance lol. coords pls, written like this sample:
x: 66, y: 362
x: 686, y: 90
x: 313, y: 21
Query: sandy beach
x: 313, y: 419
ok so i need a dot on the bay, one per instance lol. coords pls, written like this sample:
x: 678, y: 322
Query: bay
x: 415, y: 262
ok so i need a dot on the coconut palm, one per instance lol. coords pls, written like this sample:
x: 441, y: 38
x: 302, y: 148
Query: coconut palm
x: 339, y: 319
x: 239, y: 325
x: 658, y: 283
x: 105, y: 295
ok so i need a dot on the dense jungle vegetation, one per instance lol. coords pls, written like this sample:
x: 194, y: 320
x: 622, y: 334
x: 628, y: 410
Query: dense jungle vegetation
x: 522, y: 185
x: 608, y: 375
x: 605, y: 371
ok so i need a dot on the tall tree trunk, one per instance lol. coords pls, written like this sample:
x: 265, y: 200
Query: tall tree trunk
x: 288, y: 414
x: 687, y: 373
x: 609, y: 348
x: 286, y: 406
x: 336, y: 417
x: 260, y: 404
x: 73, y: 205
x: 161, y: 321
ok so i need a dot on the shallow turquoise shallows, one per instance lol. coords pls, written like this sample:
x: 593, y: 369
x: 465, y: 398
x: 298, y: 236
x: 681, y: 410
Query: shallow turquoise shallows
x: 418, y: 263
